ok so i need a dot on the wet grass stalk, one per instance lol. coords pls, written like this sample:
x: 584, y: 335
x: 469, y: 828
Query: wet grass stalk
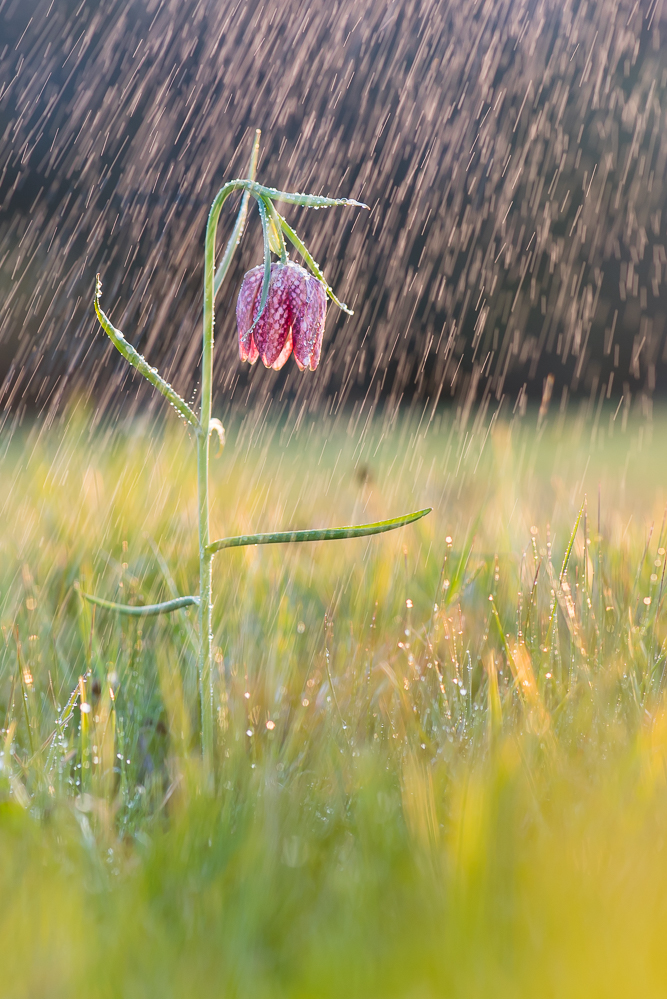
x: 275, y: 228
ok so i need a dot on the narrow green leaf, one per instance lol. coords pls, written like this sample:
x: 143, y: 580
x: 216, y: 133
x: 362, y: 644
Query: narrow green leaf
x: 239, y: 226
x: 325, y: 534
x: 148, y: 610
x: 61, y: 723
x: 568, y: 550
x: 312, y: 263
x: 306, y: 200
x: 566, y: 559
x: 267, y: 259
x: 275, y: 228
x: 140, y: 363
x: 501, y: 632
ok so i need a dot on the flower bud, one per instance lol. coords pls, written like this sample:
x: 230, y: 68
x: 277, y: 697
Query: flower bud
x: 292, y: 320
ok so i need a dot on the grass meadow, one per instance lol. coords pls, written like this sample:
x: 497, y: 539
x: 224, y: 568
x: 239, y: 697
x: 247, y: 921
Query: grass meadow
x: 441, y: 753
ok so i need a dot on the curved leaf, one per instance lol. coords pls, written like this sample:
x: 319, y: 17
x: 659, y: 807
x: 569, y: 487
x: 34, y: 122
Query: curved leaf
x: 318, y: 534
x: 312, y: 263
x: 275, y: 231
x: 148, y: 610
x: 140, y: 363
x: 267, y: 259
x: 307, y: 200
x: 239, y: 225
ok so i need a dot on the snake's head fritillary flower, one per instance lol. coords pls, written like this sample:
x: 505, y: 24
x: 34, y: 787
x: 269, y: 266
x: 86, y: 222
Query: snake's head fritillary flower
x: 292, y: 320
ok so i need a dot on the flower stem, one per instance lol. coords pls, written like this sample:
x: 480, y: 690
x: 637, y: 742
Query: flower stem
x: 212, y: 282
x: 205, y: 609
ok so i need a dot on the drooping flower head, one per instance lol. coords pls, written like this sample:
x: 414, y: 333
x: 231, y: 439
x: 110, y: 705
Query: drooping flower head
x: 292, y: 320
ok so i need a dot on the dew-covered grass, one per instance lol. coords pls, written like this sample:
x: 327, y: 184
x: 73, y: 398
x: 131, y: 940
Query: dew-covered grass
x: 432, y: 779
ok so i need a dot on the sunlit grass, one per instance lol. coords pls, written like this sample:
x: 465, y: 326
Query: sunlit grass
x: 421, y: 791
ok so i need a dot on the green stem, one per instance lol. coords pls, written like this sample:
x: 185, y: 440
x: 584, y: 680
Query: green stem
x: 212, y: 282
x: 205, y: 645
x: 205, y: 658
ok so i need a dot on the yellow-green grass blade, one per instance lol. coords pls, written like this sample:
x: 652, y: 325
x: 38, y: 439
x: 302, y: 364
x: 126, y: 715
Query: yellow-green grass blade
x: 323, y: 534
x: 563, y: 571
x: 61, y: 723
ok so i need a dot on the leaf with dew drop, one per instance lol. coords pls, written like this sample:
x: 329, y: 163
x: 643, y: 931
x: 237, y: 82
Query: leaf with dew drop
x: 239, y: 225
x: 276, y: 238
x: 312, y: 263
x: 307, y: 200
x: 318, y: 534
x: 140, y: 363
x: 267, y: 261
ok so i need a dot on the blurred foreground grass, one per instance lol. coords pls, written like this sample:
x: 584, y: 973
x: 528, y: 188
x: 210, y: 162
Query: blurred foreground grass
x: 442, y: 758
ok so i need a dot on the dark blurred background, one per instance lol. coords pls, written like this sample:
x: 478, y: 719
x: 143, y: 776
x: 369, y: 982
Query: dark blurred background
x: 512, y: 154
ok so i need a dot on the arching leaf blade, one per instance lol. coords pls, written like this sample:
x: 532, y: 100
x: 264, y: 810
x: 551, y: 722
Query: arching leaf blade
x: 275, y: 227
x: 318, y: 534
x: 307, y: 200
x: 239, y: 225
x: 312, y: 263
x: 148, y: 610
x: 267, y: 259
x: 140, y: 363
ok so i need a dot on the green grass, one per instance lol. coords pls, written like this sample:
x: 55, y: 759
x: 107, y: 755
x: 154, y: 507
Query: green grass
x: 416, y: 802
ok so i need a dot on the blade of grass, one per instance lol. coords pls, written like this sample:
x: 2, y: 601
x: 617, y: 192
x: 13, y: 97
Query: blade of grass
x: 24, y: 692
x: 61, y: 724
x: 566, y: 559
